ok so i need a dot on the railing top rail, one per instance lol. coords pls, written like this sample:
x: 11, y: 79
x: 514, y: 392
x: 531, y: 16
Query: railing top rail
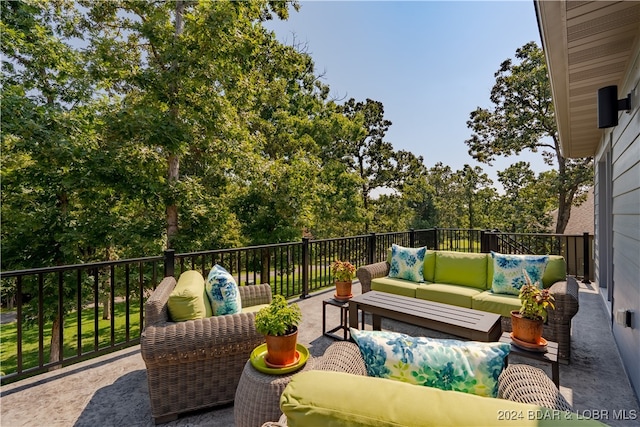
x: 534, y: 234
x: 86, y: 266
x: 243, y: 249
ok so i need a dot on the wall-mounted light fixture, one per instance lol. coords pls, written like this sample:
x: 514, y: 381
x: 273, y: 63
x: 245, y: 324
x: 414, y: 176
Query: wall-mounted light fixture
x: 609, y: 105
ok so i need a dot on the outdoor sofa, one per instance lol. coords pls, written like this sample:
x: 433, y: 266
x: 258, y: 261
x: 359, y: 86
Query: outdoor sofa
x: 196, y: 364
x: 465, y: 279
x: 339, y: 392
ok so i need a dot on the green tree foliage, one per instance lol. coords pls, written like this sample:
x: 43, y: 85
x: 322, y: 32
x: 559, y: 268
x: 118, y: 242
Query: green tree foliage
x: 522, y: 118
x: 47, y: 115
x: 527, y: 200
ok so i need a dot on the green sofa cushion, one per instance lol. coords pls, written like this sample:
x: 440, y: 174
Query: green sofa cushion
x: 461, y: 268
x: 447, y: 294
x: 394, y: 286
x: 188, y: 300
x: 501, y: 304
x: 429, y: 265
x: 327, y: 398
x: 556, y: 271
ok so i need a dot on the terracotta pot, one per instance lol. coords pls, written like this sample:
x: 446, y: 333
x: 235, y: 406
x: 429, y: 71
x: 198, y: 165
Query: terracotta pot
x: 526, y: 329
x: 281, y: 349
x: 343, y: 289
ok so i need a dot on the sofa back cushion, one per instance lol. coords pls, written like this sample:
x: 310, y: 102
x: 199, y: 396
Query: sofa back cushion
x: 461, y: 268
x: 188, y: 299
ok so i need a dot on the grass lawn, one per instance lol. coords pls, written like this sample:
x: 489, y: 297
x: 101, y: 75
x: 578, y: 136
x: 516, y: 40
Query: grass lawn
x: 9, y: 336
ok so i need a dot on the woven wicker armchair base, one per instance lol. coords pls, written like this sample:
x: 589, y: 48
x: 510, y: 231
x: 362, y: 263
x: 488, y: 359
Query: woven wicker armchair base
x: 196, y: 364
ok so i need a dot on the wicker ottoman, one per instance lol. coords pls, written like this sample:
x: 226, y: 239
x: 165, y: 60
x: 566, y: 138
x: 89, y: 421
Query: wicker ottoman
x: 258, y: 395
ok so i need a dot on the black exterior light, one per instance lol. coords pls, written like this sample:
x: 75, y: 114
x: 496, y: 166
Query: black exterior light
x: 609, y: 105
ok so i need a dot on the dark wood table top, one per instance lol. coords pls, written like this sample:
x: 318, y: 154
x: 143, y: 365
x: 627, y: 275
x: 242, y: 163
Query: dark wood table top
x: 459, y: 321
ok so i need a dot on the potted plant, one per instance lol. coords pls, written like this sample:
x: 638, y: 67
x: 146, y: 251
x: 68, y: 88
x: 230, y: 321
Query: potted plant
x: 278, y: 322
x: 343, y: 274
x: 527, y: 323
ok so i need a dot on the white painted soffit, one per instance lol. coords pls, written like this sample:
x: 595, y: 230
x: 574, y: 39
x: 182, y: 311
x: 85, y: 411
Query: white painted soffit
x: 588, y: 45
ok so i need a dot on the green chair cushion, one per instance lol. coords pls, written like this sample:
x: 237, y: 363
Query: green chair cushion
x: 556, y: 271
x: 188, y: 300
x: 448, y: 294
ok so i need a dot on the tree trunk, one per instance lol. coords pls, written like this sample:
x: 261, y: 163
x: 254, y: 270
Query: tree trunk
x: 173, y: 159
x: 54, y: 354
x: 564, y: 202
x: 265, y: 276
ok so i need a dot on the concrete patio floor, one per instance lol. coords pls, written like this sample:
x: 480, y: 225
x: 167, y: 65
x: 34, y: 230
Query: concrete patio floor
x: 112, y: 390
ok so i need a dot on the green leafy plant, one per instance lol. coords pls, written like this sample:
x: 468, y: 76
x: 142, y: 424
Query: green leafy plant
x: 278, y: 318
x: 534, y: 300
x: 343, y: 271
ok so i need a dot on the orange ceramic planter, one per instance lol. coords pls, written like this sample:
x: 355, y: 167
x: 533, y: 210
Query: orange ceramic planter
x: 526, y: 329
x: 281, y: 350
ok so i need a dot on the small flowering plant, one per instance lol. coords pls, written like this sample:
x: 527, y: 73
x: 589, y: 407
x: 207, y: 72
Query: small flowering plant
x: 343, y: 271
x: 534, y: 300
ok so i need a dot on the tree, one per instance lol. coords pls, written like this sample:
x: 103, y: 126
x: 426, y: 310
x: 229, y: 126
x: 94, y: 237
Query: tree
x: 523, y: 118
x: 47, y: 113
x: 527, y: 200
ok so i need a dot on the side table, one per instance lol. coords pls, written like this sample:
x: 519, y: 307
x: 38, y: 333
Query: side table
x: 344, y: 316
x: 257, y: 397
x: 550, y: 356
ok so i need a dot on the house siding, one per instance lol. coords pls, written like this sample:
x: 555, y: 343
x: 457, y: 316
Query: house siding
x: 625, y: 220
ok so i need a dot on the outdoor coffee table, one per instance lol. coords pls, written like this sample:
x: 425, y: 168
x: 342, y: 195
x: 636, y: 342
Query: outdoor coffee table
x: 459, y: 321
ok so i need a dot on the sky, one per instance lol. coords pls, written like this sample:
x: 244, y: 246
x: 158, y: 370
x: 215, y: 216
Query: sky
x: 430, y: 63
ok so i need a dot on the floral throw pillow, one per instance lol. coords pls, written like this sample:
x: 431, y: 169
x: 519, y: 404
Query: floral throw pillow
x: 407, y: 263
x: 222, y: 291
x: 508, y: 277
x: 465, y: 366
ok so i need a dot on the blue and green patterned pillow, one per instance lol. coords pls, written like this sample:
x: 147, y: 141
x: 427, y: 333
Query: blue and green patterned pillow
x: 465, y: 366
x: 508, y: 277
x: 407, y: 263
x: 222, y: 291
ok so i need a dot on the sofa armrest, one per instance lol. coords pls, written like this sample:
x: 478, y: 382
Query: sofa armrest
x: 371, y: 271
x: 168, y: 343
x: 342, y: 356
x: 251, y: 295
x: 155, y: 309
x: 566, y: 298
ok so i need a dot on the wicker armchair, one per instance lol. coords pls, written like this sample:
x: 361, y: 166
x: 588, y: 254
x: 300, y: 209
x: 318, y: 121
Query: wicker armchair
x: 558, y: 325
x: 196, y: 364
